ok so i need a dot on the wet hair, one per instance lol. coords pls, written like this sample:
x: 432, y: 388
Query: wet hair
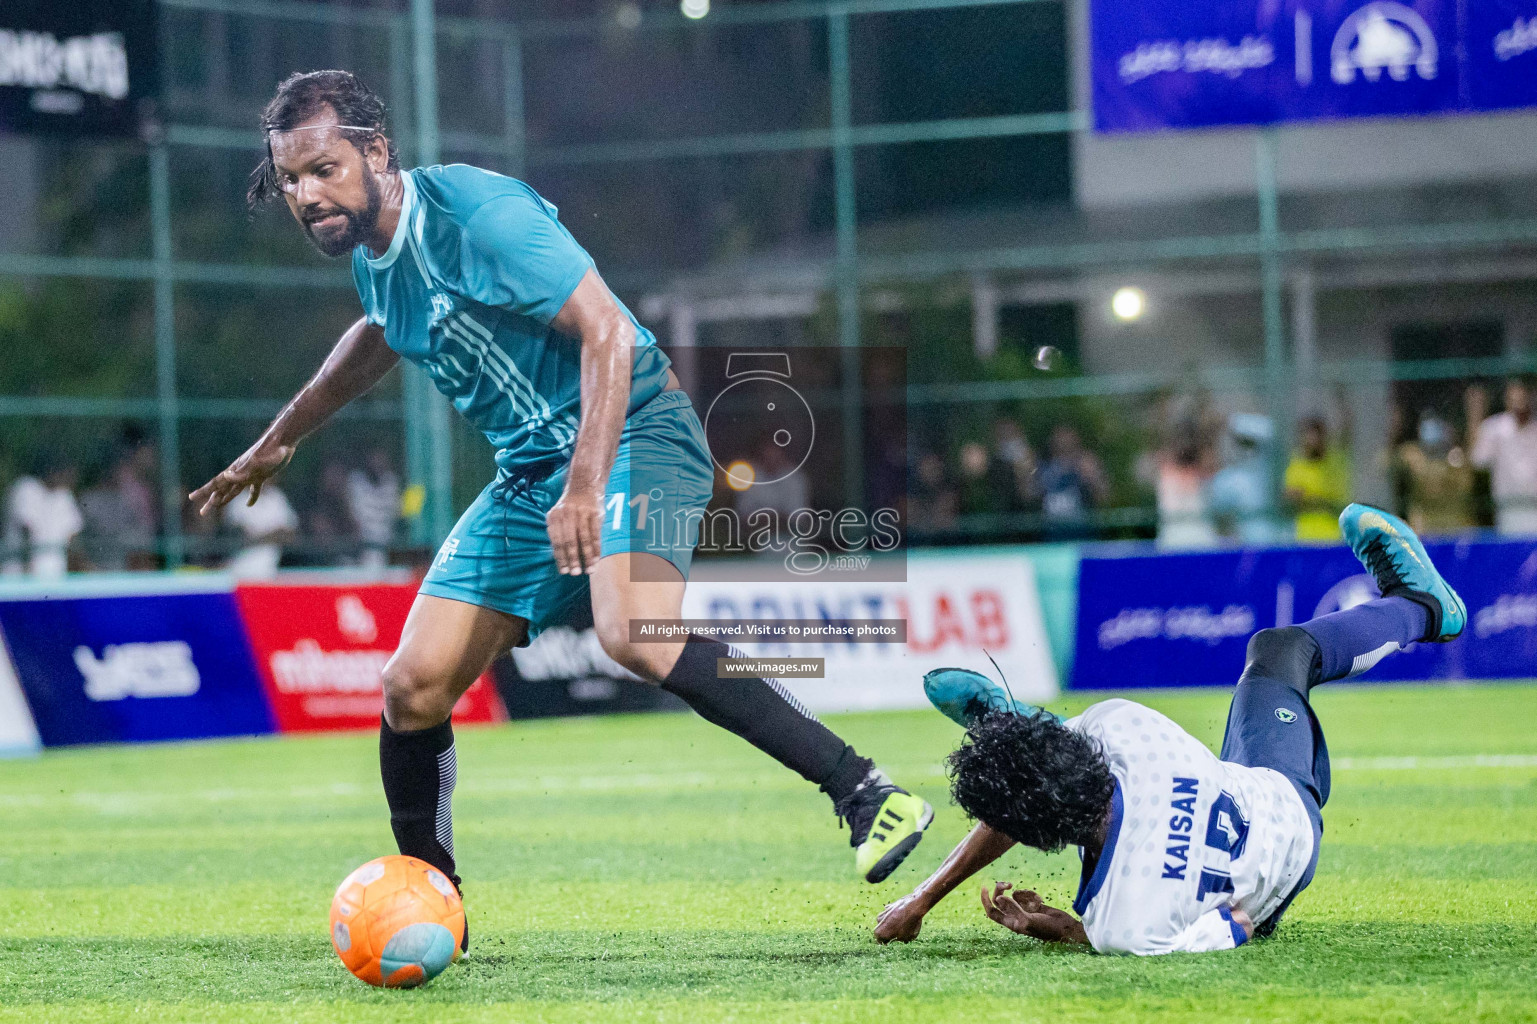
x: 1033, y: 779
x: 303, y: 96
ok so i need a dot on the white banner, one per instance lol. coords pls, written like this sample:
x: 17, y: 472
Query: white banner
x: 18, y: 733
x: 959, y: 609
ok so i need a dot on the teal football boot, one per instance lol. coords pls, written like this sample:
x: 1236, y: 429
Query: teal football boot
x: 1395, y: 557
x: 963, y: 696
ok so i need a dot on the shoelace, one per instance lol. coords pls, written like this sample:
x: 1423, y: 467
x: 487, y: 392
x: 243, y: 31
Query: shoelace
x: 1385, y: 567
x: 845, y: 808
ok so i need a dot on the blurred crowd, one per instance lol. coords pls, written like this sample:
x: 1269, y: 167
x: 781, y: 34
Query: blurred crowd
x: 113, y: 523
x: 1209, y: 477
x: 1206, y: 479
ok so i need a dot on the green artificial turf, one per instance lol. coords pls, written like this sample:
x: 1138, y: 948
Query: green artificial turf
x: 654, y: 868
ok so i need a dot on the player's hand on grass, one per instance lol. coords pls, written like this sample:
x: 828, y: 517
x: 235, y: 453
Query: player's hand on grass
x: 901, y: 920
x: 260, y: 462
x: 1013, y: 912
x: 1026, y: 913
x: 576, y: 524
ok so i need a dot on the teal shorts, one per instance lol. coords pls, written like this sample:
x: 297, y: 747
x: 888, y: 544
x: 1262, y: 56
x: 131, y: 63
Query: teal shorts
x: 498, y: 555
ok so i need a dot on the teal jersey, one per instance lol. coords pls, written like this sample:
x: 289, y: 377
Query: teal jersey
x: 478, y: 267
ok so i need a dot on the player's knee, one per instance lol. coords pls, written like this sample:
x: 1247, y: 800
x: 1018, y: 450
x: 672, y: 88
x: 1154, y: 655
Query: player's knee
x: 649, y: 661
x: 1287, y: 654
x: 414, y: 699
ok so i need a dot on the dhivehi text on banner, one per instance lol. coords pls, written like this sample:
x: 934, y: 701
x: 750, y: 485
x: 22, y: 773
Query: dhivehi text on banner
x: 1160, y: 64
x: 1185, y: 619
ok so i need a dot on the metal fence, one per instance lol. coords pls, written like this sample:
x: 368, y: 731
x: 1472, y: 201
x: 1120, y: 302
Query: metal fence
x: 190, y: 276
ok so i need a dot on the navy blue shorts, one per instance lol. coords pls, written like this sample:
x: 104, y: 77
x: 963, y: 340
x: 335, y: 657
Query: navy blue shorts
x: 1271, y: 725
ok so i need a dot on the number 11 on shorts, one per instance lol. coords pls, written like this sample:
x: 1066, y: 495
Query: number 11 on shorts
x: 616, y: 505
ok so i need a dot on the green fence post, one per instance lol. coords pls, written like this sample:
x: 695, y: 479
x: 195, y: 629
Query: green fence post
x: 846, y: 212
x: 1277, y: 386
x: 166, y: 399
x: 514, y: 133
x: 427, y: 423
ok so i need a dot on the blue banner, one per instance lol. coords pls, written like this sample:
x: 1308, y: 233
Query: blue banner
x: 127, y: 669
x: 1196, y: 63
x: 1185, y: 620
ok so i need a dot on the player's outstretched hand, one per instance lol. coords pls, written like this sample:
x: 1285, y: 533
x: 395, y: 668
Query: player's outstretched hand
x: 575, y: 523
x: 254, y: 468
x: 1026, y: 913
x: 901, y: 920
x: 1014, y: 913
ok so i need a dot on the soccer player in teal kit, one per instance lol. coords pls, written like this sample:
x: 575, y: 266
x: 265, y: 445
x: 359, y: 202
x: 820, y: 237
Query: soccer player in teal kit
x: 471, y: 276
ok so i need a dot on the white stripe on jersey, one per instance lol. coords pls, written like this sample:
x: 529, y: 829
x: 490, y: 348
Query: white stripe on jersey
x: 545, y: 413
x: 464, y: 374
x: 1196, y: 837
x: 525, y: 402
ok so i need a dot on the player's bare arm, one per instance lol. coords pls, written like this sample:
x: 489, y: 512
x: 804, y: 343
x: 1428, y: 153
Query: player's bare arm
x: 902, y: 919
x: 342, y: 195
x: 358, y: 362
x: 1026, y: 913
x: 608, y: 344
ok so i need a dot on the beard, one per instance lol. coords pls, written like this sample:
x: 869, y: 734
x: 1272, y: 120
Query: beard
x: 359, y: 224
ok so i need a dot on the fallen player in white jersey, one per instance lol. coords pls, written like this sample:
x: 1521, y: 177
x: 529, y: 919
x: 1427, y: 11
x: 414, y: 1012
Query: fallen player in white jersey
x: 1183, y: 851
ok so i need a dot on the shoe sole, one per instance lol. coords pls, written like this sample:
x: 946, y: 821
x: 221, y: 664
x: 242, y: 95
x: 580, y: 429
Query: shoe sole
x: 898, y: 853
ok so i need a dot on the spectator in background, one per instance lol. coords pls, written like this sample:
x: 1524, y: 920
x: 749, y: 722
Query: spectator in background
x: 888, y: 475
x: 1184, y: 466
x: 1011, y: 468
x: 120, y: 513
x: 330, y: 531
x: 1072, y: 483
x: 42, y: 520
x: 373, y: 500
x: 976, y: 493
x: 1437, y: 480
x: 932, y: 504
x: 1506, y: 445
x: 1317, y: 483
x: 266, y: 526
x: 1239, y: 496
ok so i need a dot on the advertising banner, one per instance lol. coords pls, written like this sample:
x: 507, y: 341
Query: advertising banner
x: 1185, y: 619
x: 135, y: 668
x: 78, y: 68
x: 1196, y: 63
x: 320, y: 650
x: 959, y: 608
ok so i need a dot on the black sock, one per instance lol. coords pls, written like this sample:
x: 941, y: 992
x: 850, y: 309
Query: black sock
x: 418, y: 770
x: 765, y: 714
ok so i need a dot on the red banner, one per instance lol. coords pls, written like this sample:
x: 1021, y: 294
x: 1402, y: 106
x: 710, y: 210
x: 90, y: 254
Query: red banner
x: 320, y: 651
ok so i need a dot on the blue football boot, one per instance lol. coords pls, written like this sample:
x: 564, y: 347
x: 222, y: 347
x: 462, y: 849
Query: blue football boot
x: 1394, y: 555
x: 963, y: 696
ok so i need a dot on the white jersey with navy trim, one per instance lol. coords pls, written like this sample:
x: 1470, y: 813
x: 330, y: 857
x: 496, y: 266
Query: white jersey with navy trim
x: 1190, y: 838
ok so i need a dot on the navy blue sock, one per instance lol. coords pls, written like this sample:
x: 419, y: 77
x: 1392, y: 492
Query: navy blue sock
x: 1352, y: 641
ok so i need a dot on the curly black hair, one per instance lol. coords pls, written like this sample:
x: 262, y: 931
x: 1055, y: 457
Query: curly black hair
x: 1033, y: 779
x: 300, y: 97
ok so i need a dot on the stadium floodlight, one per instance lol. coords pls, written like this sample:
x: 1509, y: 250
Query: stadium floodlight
x: 695, y: 9
x: 1128, y: 304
